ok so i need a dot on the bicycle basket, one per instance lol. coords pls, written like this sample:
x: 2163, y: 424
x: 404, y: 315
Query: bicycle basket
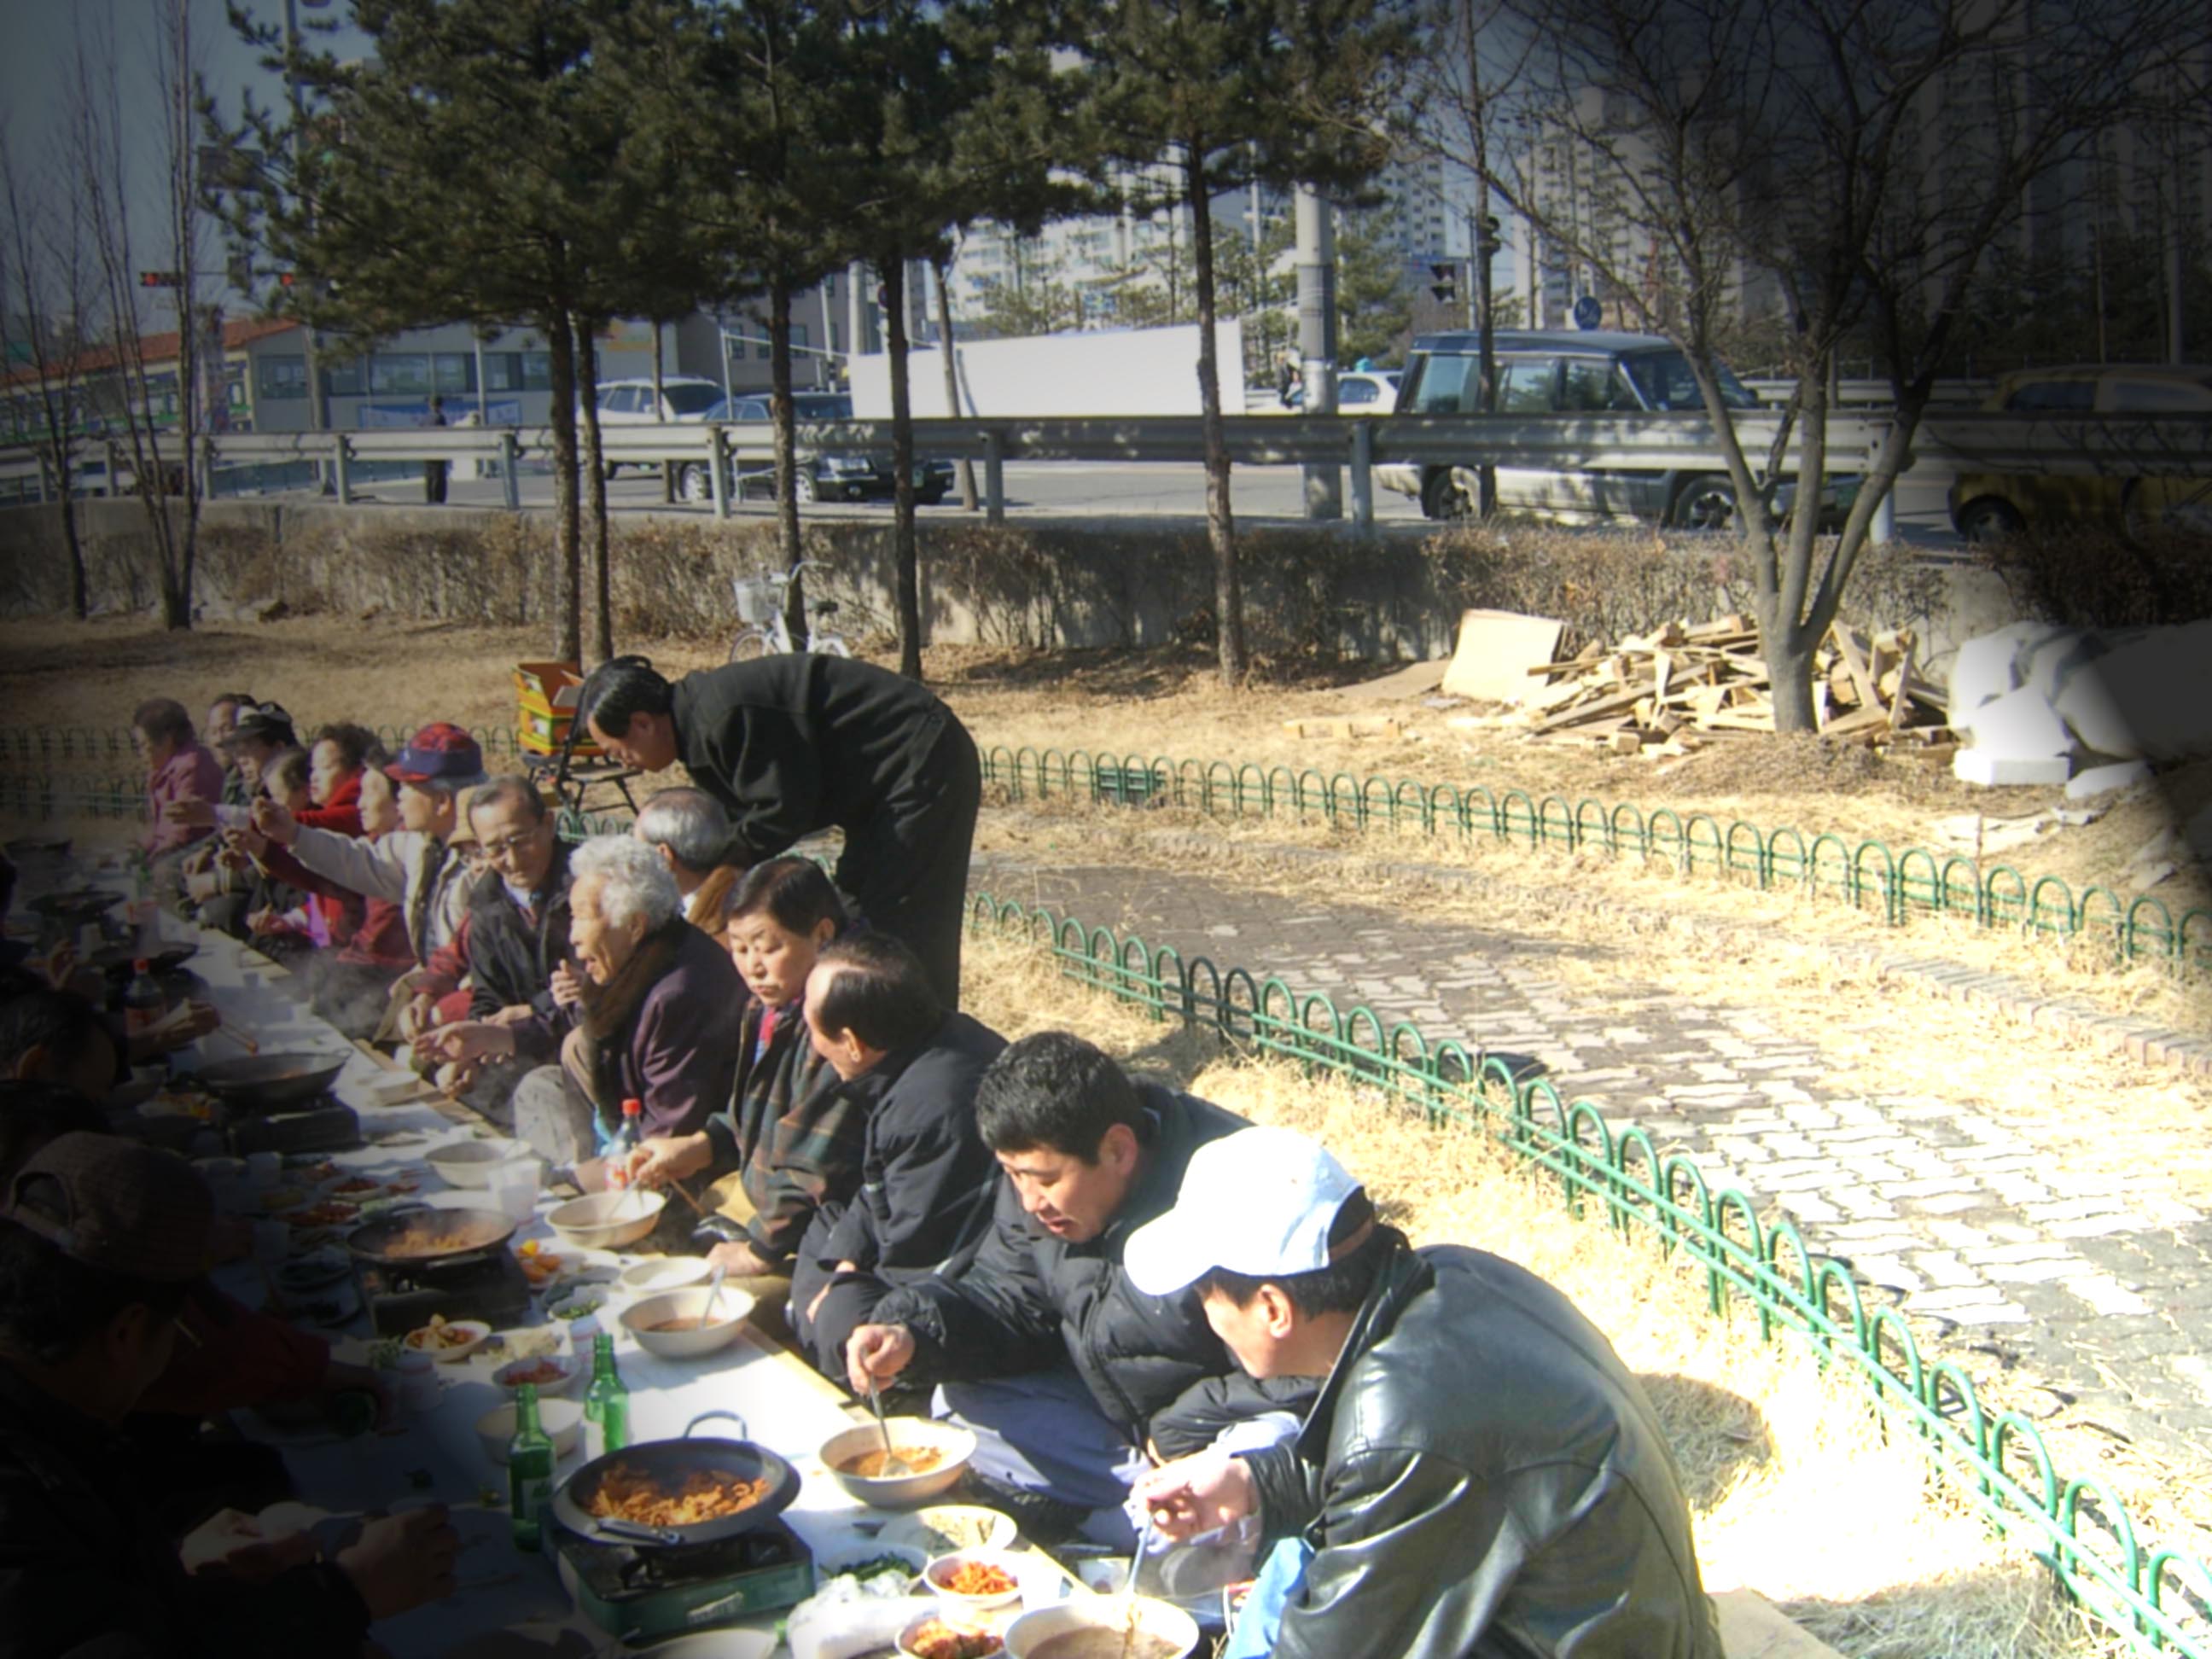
x: 760, y: 598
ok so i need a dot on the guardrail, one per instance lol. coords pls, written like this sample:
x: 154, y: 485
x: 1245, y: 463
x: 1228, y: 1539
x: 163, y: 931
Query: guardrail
x: 1996, y: 1463
x: 1945, y: 442
x: 1867, y: 875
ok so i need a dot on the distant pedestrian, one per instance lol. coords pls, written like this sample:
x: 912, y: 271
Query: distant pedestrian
x: 1290, y: 381
x: 434, y: 472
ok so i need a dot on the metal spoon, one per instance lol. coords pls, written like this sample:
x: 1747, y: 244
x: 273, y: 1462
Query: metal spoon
x: 894, y: 1465
x: 714, y: 1290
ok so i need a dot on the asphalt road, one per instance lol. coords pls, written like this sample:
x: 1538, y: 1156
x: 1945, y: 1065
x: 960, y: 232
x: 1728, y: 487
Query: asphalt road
x: 1075, y: 488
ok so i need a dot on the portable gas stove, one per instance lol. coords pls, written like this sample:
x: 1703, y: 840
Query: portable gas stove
x: 490, y: 1288
x: 320, y: 1126
x: 636, y: 1592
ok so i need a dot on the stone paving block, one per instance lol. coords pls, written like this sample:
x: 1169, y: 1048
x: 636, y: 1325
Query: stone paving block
x: 1943, y: 1268
x: 2033, y: 1272
x: 1945, y: 1204
x: 1996, y: 1255
x: 1976, y: 1305
x: 2095, y: 1226
x: 2106, y: 1295
x: 2069, y: 1209
x: 1956, y: 1235
x: 1811, y: 1209
x: 1942, y: 1187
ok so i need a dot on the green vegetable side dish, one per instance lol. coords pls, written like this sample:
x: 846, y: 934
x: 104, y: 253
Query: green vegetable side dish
x: 875, y: 1566
x: 578, y: 1310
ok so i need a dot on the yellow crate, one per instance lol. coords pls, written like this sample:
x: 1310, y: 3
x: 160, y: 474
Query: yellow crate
x: 545, y: 707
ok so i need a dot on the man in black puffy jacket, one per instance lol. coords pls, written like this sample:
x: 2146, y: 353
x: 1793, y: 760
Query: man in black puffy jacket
x: 1482, y: 1477
x: 1071, y: 1374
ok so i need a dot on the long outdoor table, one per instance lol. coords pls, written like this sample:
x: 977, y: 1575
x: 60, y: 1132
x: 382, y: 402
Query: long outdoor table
x: 785, y: 1404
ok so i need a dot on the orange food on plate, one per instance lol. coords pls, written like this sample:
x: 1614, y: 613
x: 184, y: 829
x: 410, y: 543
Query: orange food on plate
x: 355, y: 1184
x: 976, y: 1578
x: 329, y: 1214
x: 935, y: 1639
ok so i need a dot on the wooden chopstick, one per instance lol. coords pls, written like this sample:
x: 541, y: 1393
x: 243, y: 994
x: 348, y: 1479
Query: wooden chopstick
x: 683, y: 1193
x: 238, y: 1036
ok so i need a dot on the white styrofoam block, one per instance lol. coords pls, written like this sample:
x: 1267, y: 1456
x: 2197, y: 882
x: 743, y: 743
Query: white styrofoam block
x: 2103, y: 779
x: 1986, y: 767
x: 2019, y: 725
x: 2149, y: 699
x: 2052, y: 663
x: 1987, y: 666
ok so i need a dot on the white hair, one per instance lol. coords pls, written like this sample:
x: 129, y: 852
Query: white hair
x: 633, y: 880
x: 690, y: 824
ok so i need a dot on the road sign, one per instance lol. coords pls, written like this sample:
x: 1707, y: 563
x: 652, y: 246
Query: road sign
x: 1587, y: 312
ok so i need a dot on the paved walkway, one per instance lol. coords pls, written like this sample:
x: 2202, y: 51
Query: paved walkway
x: 2102, y: 1290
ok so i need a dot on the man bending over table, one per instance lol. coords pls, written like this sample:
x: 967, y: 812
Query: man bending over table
x: 1482, y: 1477
x: 1069, y: 1373
x: 100, y: 1242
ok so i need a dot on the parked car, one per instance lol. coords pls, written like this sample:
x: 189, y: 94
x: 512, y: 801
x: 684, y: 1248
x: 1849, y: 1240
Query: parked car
x: 1548, y: 371
x: 820, y: 477
x: 1366, y: 392
x: 631, y: 403
x: 1988, y: 506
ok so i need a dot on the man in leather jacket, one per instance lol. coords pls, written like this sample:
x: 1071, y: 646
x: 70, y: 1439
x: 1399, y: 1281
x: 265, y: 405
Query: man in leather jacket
x: 1481, y: 1477
x: 1068, y: 1372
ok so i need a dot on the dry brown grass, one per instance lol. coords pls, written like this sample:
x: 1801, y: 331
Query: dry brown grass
x: 1799, y: 1489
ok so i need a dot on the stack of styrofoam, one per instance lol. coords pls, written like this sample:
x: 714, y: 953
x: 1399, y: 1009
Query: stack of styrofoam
x: 2035, y: 698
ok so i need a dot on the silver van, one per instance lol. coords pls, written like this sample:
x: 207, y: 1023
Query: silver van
x: 1569, y: 372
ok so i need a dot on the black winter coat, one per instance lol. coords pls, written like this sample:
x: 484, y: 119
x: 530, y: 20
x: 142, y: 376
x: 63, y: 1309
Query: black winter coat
x: 511, y: 961
x: 1029, y: 1301
x: 1483, y: 1479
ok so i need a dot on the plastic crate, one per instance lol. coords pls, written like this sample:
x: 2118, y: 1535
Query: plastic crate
x: 545, y: 707
x: 760, y: 598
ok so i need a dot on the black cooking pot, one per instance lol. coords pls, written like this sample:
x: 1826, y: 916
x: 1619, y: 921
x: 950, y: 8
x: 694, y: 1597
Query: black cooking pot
x: 665, y: 1462
x: 74, y: 908
x: 270, y: 1083
x: 384, y: 1240
x: 121, y: 961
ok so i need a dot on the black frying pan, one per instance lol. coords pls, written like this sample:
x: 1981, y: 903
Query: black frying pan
x: 77, y: 906
x: 120, y: 961
x: 386, y: 1240
x: 667, y: 1462
x: 270, y: 1083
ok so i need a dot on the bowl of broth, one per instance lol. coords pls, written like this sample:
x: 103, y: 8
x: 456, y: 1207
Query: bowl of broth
x: 673, y: 1325
x: 935, y: 1454
x: 1104, y: 1627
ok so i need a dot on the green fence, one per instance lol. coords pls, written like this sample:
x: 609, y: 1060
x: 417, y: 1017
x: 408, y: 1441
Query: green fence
x: 1994, y: 1461
x: 1867, y: 875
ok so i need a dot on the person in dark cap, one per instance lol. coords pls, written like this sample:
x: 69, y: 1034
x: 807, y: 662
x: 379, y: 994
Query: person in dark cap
x: 101, y: 1241
x: 797, y: 744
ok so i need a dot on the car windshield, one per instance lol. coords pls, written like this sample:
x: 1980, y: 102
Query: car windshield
x: 1664, y: 380
x: 823, y: 406
x: 691, y: 399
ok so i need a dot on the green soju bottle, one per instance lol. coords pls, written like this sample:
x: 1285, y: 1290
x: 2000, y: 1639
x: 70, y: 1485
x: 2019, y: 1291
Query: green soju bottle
x: 606, y: 1402
x: 529, y: 1471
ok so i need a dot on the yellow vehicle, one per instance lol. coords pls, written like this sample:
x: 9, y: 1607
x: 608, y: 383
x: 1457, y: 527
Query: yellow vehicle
x: 1987, y: 506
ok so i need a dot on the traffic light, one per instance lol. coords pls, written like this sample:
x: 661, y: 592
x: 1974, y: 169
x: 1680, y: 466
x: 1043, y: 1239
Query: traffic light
x: 1446, y: 285
x: 1486, y: 241
x: 160, y: 279
x: 284, y: 279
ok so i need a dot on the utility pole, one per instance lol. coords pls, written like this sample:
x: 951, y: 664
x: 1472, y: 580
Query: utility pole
x: 1316, y: 231
x: 311, y: 359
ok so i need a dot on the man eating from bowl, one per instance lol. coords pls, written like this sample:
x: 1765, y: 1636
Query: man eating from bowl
x: 1480, y: 1475
x: 1069, y: 1374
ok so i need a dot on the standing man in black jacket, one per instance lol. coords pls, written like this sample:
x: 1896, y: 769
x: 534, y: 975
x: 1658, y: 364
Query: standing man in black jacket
x: 926, y: 1178
x: 1071, y: 1376
x: 797, y: 744
x: 1482, y: 1477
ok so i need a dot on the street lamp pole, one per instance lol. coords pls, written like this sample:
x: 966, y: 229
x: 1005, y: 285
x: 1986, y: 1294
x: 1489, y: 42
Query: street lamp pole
x: 318, y: 413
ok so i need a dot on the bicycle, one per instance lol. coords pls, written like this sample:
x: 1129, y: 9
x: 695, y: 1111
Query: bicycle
x: 766, y: 634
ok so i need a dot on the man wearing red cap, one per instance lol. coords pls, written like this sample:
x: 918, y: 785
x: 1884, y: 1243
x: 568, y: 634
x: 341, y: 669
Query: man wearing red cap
x: 100, y: 1241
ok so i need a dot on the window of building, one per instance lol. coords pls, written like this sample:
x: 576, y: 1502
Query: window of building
x: 799, y: 336
x: 537, y: 371
x: 836, y: 338
x: 343, y: 378
x: 400, y: 372
x: 502, y: 372
x: 280, y: 376
x: 456, y: 371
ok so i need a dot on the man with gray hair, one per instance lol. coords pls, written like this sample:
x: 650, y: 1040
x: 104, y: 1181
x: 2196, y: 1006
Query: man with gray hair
x: 690, y: 829
x: 658, y: 1017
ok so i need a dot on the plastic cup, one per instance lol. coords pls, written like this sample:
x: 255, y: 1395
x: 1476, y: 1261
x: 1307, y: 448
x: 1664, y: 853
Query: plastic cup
x: 513, y: 1187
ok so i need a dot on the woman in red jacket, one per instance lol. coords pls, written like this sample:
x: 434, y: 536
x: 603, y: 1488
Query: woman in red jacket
x: 333, y: 768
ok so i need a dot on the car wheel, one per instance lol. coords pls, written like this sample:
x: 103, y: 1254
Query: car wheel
x: 806, y: 486
x: 933, y: 497
x: 1706, y: 503
x: 1441, y: 497
x: 692, y: 484
x: 856, y: 492
x: 1990, y: 520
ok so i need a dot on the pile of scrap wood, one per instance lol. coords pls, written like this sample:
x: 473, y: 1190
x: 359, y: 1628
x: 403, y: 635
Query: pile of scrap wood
x: 1676, y: 689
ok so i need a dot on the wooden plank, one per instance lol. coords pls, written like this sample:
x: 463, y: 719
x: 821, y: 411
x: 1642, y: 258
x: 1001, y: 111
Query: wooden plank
x: 1861, y: 719
x: 1855, y: 659
x: 1614, y: 704
x: 1900, y: 704
x: 1494, y: 652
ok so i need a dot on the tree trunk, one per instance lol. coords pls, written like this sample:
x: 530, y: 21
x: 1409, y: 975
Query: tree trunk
x: 903, y: 552
x: 595, y: 487
x: 786, y: 455
x: 1220, y: 523
x: 942, y: 270
x: 568, y: 560
x: 667, y: 470
x: 72, y: 536
x: 1789, y: 652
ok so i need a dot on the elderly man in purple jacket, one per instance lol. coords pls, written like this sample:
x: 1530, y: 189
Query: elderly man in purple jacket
x: 655, y: 1017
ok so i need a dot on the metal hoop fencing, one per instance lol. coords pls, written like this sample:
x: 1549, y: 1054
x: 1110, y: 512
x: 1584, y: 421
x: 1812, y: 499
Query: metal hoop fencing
x: 1996, y: 1462
x: 1868, y: 875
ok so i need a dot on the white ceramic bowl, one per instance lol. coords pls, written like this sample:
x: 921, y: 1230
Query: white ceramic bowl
x: 477, y: 1332
x: 573, y: 1371
x: 665, y: 1273
x: 470, y: 1162
x: 944, y: 1528
x: 911, y: 1632
x: 562, y: 1420
x: 934, y: 1576
x: 1160, y: 1619
x: 903, y: 1492
x: 732, y: 1308
x: 607, y: 1221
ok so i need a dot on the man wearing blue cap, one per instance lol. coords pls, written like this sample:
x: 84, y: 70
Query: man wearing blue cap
x: 1480, y: 1475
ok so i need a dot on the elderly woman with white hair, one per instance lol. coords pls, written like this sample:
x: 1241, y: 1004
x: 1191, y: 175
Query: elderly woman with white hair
x: 658, y: 1021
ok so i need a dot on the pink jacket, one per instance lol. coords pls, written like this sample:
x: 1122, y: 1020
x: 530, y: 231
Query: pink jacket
x: 191, y: 774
